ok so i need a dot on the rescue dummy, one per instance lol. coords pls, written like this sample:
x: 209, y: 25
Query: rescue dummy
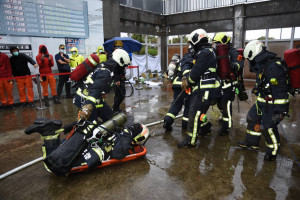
x: 88, y: 145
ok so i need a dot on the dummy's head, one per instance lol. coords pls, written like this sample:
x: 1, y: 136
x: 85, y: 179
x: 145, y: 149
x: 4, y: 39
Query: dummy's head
x: 140, y: 133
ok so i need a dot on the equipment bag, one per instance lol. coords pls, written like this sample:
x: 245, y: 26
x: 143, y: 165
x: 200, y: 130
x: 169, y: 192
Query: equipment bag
x: 292, y: 59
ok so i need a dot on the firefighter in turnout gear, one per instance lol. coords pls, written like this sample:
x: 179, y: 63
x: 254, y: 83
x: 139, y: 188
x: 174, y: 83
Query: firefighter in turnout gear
x: 230, y: 66
x: 175, y: 72
x: 204, y: 84
x: 98, y: 82
x: 272, y: 102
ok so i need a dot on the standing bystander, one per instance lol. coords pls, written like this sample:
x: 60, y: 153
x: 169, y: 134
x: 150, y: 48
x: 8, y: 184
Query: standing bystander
x: 19, y: 64
x: 63, y: 61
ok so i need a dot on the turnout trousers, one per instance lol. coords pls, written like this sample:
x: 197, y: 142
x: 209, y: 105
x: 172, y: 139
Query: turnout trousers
x: 260, y: 122
x: 199, y: 104
x: 120, y: 92
x: 225, y: 106
x: 180, y: 98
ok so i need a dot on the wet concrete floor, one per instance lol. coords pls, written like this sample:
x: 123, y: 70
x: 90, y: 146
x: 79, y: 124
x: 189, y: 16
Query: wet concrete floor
x: 215, y: 169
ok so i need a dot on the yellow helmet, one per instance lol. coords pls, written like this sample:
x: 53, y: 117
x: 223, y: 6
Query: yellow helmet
x: 118, y: 43
x: 74, y: 49
x: 222, y: 38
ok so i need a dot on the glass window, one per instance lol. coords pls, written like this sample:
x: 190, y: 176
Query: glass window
x: 297, y: 32
x: 274, y: 34
x: 152, y: 39
x: 259, y: 34
x: 286, y: 33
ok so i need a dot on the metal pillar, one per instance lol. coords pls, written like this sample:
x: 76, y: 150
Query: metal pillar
x: 38, y: 83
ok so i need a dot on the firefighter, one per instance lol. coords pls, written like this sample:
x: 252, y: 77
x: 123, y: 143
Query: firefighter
x: 76, y: 59
x: 45, y: 61
x: 101, y: 54
x: 232, y: 67
x: 89, y: 94
x: 272, y: 102
x: 204, y: 84
x: 175, y: 73
x: 119, y: 79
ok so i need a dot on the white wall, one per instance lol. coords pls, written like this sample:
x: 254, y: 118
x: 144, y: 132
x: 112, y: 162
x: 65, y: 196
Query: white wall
x: 96, y: 36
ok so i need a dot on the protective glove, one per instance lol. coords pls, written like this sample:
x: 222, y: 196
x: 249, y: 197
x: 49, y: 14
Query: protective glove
x: 85, y: 111
x: 233, y: 68
x: 86, y: 128
x: 184, y: 84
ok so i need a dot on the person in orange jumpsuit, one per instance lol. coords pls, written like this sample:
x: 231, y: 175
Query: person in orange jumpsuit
x: 45, y: 61
x: 6, y: 85
x: 19, y: 64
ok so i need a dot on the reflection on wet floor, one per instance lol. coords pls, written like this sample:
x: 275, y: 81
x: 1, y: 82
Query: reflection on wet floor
x: 215, y: 169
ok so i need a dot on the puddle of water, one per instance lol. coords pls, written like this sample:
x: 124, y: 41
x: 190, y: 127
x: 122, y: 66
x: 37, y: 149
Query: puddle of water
x: 239, y: 187
x: 282, y: 176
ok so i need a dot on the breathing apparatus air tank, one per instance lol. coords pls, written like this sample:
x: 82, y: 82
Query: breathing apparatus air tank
x: 110, y: 125
x: 85, y: 67
x: 292, y: 59
x: 223, y: 61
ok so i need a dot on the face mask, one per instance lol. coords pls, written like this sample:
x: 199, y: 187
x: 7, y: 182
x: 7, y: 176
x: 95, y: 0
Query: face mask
x: 74, y: 53
x: 16, y: 53
x: 61, y: 50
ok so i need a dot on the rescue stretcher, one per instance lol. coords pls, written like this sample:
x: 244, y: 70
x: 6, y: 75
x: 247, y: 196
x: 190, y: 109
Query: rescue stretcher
x: 138, y: 151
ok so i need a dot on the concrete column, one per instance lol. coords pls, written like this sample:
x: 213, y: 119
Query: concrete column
x: 238, y: 26
x: 163, y: 50
x: 111, y: 19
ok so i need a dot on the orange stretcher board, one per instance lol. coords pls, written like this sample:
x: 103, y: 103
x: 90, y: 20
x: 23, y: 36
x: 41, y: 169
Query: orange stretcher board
x: 139, y: 151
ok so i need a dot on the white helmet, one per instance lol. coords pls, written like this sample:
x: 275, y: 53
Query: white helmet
x: 143, y: 136
x: 196, y: 36
x: 121, y: 57
x: 252, y: 49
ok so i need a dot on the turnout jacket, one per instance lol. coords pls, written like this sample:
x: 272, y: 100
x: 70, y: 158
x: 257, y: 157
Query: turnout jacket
x: 96, y: 83
x: 271, y: 81
x: 185, y: 65
x: 203, y: 74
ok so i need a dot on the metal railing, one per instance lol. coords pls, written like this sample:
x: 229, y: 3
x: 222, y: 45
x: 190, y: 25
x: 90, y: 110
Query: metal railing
x: 167, y: 7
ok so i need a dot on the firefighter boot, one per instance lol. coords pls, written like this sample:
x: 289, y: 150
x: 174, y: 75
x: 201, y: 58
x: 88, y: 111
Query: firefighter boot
x: 205, y: 130
x: 224, y: 130
x: 248, y: 145
x: 187, y: 142
x: 269, y: 157
x: 44, y: 126
x: 167, y: 126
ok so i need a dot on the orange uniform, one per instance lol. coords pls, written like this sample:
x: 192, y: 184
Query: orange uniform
x: 6, y: 86
x: 45, y: 61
